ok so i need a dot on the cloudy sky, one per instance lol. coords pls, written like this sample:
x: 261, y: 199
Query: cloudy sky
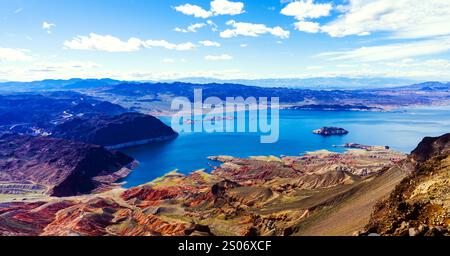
x: 155, y: 39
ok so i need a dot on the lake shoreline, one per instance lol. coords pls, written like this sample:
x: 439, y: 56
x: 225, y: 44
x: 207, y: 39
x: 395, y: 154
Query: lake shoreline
x: 399, y: 130
x: 141, y: 142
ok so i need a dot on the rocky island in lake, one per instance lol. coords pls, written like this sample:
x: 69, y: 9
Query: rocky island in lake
x: 329, y: 131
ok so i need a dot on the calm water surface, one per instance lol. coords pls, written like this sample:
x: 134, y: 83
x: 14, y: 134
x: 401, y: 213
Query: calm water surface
x: 400, y: 130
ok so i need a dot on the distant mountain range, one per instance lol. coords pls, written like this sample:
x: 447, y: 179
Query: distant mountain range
x: 51, y: 84
x: 307, y: 83
x: 429, y: 93
x: 156, y: 96
x: 326, y: 83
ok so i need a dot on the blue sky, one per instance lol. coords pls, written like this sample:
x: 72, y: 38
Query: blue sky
x: 236, y: 39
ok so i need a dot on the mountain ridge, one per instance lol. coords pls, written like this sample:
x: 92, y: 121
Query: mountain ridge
x: 64, y: 167
x: 419, y: 205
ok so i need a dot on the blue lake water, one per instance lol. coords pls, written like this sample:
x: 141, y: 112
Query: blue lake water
x: 401, y: 130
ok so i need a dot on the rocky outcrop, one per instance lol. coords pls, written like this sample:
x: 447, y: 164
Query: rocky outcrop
x: 431, y: 147
x: 365, y: 147
x: 330, y: 131
x: 64, y: 167
x: 420, y: 205
x: 115, y: 132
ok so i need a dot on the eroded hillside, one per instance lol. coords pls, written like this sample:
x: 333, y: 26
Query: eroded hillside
x: 420, y: 205
x: 255, y: 196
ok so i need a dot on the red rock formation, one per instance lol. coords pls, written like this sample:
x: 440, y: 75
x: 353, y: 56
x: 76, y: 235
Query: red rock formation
x: 29, y: 219
x: 89, y: 218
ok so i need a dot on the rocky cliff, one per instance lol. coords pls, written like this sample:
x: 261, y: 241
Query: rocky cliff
x: 431, y: 147
x: 64, y: 167
x: 420, y: 205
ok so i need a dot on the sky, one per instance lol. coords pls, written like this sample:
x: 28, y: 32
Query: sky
x: 225, y: 39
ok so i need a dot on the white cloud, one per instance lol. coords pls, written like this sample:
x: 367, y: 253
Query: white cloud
x: 306, y: 9
x: 243, y: 45
x: 402, y: 18
x: 218, y: 57
x: 105, y: 43
x: 193, y: 10
x: 307, y: 26
x: 192, y: 28
x: 47, y: 26
x: 195, y: 27
x: 170, y: 46
x: 251, y: 29
x: 392, y: 51
x: 208, y: 43
x: 109, y: 43
x: 224, y: 7
x: 411, y: 63
x: 217, y: 7
x: 9, y: 54
x: 213, y: 25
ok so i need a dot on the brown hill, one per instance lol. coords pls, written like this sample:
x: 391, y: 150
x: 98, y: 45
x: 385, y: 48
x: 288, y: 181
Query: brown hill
x: 430, y: 147
x: 420, y: 205
x: 115, y: 131
x: 63, y: 167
